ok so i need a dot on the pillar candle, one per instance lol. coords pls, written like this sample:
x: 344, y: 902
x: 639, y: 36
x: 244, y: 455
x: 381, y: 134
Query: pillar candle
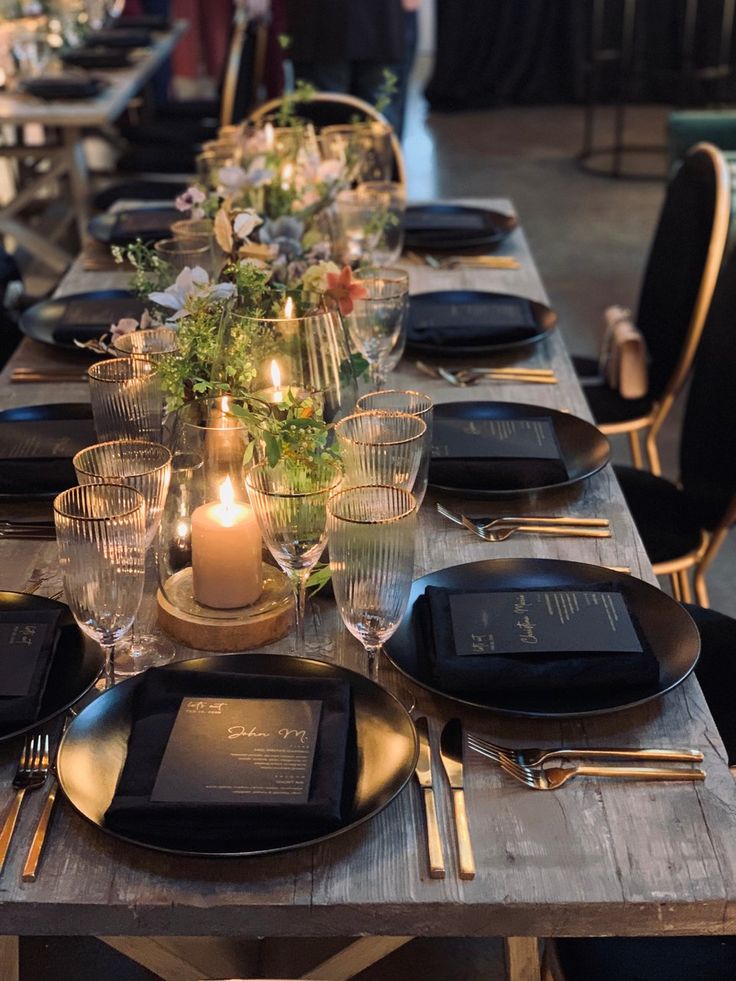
x: 226, y: 553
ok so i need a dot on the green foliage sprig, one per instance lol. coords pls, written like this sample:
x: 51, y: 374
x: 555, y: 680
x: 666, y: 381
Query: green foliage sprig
x: 150, y: 273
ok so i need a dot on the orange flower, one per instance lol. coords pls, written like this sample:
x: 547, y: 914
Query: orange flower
x: 343, y: 289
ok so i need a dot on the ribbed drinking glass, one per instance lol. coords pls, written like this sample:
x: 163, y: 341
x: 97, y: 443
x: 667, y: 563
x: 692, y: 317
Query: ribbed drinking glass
x: 290, y: 502
x: 381, y: 448
x: 378, y: 322
x: 152, y: 344
x: 127, y: 399
x: 370, y: 532
x: 415, y: 404
x: 100, y: 534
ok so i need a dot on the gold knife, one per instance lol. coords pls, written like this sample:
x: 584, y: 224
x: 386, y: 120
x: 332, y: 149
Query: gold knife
x: 451, y: 752
x: 423, y: 773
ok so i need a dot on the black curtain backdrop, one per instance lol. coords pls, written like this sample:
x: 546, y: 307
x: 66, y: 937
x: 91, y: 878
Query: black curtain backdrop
x: 526, y: 52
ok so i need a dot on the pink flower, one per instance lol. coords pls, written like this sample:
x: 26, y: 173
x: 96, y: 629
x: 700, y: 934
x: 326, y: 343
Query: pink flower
x: 190, y: 201
x: 126, y: 325
x: 343, y: 290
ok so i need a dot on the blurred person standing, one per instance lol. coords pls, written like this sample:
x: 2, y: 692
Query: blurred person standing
x: 347, y: 45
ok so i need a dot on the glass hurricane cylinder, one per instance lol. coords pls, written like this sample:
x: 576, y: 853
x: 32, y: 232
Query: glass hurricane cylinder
x: 416, y: 404
x: 381, y: 448
x: 371, y: 533
x: 100, y: 535
x: 364, y: 149
x: 127, y: 399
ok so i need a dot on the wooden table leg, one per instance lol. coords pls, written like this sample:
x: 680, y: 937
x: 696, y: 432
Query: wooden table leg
x: 356, y: 957
x: 522, y: 959
x: 78, y: 178
x: 9, y: 959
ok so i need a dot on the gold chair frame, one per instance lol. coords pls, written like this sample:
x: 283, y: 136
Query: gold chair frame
x: 234, y: 59
x: 359, y: 105
x: 655, y: 418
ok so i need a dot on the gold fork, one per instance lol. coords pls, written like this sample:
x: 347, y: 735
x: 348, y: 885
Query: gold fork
x: 535, y: 757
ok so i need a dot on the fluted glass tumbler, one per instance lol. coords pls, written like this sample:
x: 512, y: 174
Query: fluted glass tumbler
x: 415, y: 404
x: 370, y: 531
x: 127, y: 399
x: 100, y: 535
x: 146, y: 467
x: 381, y: 448
x: 153, y: 344
x: 290, y: 502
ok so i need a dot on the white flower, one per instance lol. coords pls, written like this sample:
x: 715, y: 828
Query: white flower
x: 245, y: 223
x: 259, y: 175
x: 314, y: 279
x: 231, y: 179
x: 191, y: 284
x: 126, y: 325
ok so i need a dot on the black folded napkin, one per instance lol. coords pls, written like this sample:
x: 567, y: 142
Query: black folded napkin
x: 96, y: 58
x: 478, y: 648
x: 28, y: 641
x: 233, y: 826
x: 36, y: 454
x: 149, y: 22
x: 146, y: 223
x: 64, y: 87
x: 100, y: 312
x: 495, y: 454
x: 119, y: 38
x: 471, y: 320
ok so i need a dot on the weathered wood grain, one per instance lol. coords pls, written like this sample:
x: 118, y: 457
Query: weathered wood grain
x: 596, y: 858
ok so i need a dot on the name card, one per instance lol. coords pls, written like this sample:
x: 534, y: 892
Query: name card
x: 24, y: 637
x: 532, y: 438
x: 239, y: 750
x: 546, y: 621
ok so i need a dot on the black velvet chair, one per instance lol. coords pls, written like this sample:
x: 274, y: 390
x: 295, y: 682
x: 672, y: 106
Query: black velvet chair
x: 336, y: 109
x: 683, y: 525
x: 669, y: 958
x: 678, y: 284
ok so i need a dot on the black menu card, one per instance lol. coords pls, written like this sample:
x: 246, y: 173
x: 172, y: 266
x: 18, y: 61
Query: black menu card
x: 582, y: 637
x: 495, y: 454
x: 36, y: 454
x: 471, y: 319
x: 249, y: 749
x: 27, y: 644
x: 216, y: 761
x: 156, y: 220
x: 100, y: 312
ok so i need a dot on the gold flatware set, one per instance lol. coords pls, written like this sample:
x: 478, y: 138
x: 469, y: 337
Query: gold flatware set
x: 462, y: 377
x: 469, y: 261
x: 30, y: 376
x: 500, y: 528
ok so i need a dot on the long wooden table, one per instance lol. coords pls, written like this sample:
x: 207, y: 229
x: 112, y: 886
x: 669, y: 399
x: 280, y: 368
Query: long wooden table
x: 596, y: 858
x: 70, y: 118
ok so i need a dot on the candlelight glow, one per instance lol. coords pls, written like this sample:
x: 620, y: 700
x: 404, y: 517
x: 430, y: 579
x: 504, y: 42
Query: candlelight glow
x: 227, y: 499
x: 225, y: 403
x: 182, y: 529
x: 275, y: 372
x: 289, y: 308
x: 268, y: 133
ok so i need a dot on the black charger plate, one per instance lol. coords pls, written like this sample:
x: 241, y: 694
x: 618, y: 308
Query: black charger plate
x: 454, y: 226
x: 77, y: 664
x: 583, y: 448
x: 38, y: 413
x: 119, y: 38
x: 669, y: 629
x: 93, y: 751
x: 44, y: 321
x: 148, y: 224
x: 445, y: 309
x: 64, y: 87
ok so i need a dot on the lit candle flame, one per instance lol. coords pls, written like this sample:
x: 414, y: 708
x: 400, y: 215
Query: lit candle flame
x: 287, y: 173
x: 182, y: 529
x: 275, y: 375
x: 289, y: 308
x: 269, y: 134
x: 227, y: 495
x: 225, y: 403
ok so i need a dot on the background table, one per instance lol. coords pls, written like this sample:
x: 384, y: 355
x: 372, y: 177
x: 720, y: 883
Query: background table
x: 593, y: 859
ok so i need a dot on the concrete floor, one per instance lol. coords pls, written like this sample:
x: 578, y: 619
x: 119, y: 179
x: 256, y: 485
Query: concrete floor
x: 590, y: 237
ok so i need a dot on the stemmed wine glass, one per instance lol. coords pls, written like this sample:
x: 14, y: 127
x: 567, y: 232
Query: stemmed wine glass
x: 371, y: 537
x: 378, y: 322
x: 146, y: 467
x: 381, y: 448
x: 290, y: 503
x: 100, y: 534
x: 416, y: 404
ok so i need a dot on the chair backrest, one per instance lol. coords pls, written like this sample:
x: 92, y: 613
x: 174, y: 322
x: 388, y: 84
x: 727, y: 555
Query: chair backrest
x: 708, y: 443
x: 681, y: 273
x: 334, y: 109
x: 244, y: 67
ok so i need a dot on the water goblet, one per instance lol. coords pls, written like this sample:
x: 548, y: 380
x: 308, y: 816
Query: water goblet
x: 127, y: 399
x: 400, y: 277
x: 290, y: 502
x: 378, y: 321
x: 371, y: 533
x: 381, y: 448
x: 100, y: 534
x: 146, y: 467
x: 416, y: 404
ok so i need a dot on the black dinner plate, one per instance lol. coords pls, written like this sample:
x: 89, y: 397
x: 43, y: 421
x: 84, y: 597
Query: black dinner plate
x: 64, y: 86
x: 77, y: 663
x: 668, y: 628
x: 96, y: 58
x: 454, y: 226
x: 38, y: 413
x: 80, y: 316
x: 451, y: 310
x: 124, y: 227
x: 119, y: 38
x: 584, y: 449
x: 93, y: 751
